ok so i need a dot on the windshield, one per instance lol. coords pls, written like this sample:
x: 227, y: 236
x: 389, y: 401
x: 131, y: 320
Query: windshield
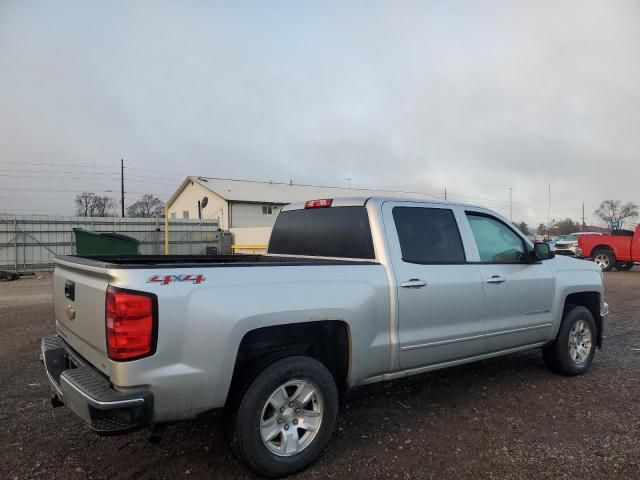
x: 570, y: 238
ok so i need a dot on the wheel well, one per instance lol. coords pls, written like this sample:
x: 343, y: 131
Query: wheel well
x: 326, y: 341
x: 589, y: 300
x: 602, y: 247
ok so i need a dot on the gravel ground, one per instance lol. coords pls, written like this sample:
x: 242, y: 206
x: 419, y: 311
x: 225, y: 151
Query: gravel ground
x: 501, y: 418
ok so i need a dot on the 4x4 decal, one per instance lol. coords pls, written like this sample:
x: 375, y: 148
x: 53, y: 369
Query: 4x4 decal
x: 195, y: 278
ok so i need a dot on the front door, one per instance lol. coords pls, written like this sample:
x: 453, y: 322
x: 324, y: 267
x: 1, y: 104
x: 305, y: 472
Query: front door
x: 518, y: 293
x: 440, y: 296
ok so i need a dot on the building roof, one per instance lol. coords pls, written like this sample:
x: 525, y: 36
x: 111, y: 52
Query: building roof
x: 282, y: 193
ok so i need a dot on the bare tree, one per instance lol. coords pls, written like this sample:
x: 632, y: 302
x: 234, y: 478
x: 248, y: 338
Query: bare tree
x: 103, y: 206
x: 84, y: 204
x: 614, y: 213
x: 89, y: 204
x: 147, y: 207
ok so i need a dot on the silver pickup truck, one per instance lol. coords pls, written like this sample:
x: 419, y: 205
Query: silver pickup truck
x: 352, y: 291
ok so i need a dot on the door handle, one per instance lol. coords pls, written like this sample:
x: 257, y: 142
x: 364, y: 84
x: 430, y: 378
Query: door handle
x: 496, y: 279
x: 414, y: 283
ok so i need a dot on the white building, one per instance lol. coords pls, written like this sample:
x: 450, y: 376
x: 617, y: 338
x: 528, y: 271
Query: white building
x: 247, y: 208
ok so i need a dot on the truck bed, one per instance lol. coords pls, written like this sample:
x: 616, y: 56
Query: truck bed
x: 179, y: 261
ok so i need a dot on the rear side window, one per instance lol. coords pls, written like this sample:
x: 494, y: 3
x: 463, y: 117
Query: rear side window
x: 428, y: 235
x: 323, y: 232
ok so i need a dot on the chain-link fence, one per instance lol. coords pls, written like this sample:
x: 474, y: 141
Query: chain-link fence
x: 29, y: 243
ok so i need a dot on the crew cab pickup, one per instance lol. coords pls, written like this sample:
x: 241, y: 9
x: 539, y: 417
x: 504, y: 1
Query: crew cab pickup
x: 352, y: 291
x: 619, y: 250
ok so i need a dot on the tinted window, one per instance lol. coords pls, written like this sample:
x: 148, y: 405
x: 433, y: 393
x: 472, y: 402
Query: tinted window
x: 428, y: 235
x: 324, y: 232
x: 496, y: 242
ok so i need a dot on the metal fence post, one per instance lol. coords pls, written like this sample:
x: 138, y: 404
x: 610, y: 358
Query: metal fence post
x: 166, y: 231
x: 24, y: 250
x: 15, y: 241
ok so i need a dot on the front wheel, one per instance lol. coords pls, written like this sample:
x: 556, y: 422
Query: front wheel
x: 571, y: 353
x: 286, y: 416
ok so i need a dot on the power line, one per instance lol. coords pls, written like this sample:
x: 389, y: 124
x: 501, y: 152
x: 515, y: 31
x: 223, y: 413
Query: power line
x: 40, y: 170
x: 22, y: 189
x: 164, y: 172
x: 88, y: 165
x: 53, y: 178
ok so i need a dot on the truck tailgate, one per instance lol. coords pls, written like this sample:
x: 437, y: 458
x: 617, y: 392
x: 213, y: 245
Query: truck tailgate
x: 79, y: 293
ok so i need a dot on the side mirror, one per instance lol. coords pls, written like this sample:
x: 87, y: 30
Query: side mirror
x: 542, y: 251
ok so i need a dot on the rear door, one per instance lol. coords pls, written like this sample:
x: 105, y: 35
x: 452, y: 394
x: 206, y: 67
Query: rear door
x: 519, y: 293
x: 440, y: 295
x: 79, y: 293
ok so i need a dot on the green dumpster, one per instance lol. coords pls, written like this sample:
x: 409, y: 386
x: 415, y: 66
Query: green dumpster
x: 106, y: 243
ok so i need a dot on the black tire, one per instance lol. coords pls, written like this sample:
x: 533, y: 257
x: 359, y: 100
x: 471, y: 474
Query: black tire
x: 558, y: 354
x: 246, y: 437
x: 623, y: 267
x: 605, y: 259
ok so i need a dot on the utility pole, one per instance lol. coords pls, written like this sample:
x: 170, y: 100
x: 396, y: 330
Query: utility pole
x: 349, y: 180
x: 445, y: 194
x: 584, y: 225
x: 511, y: 204
x: 122, y: 184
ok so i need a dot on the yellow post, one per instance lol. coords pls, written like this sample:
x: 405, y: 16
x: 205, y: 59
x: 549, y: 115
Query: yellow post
x: 166, y: 231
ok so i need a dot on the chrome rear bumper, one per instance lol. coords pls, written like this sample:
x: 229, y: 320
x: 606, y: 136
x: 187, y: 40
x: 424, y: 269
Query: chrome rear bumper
x: 89, y: 395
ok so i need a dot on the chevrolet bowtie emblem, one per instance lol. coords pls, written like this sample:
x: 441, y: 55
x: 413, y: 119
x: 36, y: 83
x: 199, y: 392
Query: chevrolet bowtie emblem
x: 70, y: 312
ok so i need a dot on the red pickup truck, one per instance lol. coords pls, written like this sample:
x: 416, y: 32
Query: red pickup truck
x: 619, y: 250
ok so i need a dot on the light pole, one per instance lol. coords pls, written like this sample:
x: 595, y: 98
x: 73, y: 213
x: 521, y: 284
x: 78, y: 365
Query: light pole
x: 348, y: 180
x: 511, y: 204
x: 549, y: 216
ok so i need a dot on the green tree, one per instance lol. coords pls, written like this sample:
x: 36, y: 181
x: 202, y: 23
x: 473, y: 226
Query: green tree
x: 523, y: 227
x: 566, y: 226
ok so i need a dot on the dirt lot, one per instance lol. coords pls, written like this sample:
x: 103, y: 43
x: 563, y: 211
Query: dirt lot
x: 503, y: 418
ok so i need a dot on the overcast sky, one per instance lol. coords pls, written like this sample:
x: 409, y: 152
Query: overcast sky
x: 477, y: 97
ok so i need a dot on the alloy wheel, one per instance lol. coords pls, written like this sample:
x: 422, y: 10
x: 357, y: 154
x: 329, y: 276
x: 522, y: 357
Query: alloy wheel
x: 580, y: 342
x: 291, y: 417
x: 602, y: 260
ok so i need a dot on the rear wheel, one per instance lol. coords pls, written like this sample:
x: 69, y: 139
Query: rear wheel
x: 605, y: 259
x: 286, y: 416
x: 573, y: 350
x: 623, y: 267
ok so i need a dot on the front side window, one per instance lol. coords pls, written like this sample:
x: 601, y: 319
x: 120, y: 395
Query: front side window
x: 496, y: 242
x: 428, y: 235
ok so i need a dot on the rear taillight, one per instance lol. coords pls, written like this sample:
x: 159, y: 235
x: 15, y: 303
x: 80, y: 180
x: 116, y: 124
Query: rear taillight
x: 322, y: 203
x: 131, y: 321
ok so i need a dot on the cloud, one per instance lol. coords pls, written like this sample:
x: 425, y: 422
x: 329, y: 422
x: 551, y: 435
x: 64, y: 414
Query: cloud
x: 477, y: 97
